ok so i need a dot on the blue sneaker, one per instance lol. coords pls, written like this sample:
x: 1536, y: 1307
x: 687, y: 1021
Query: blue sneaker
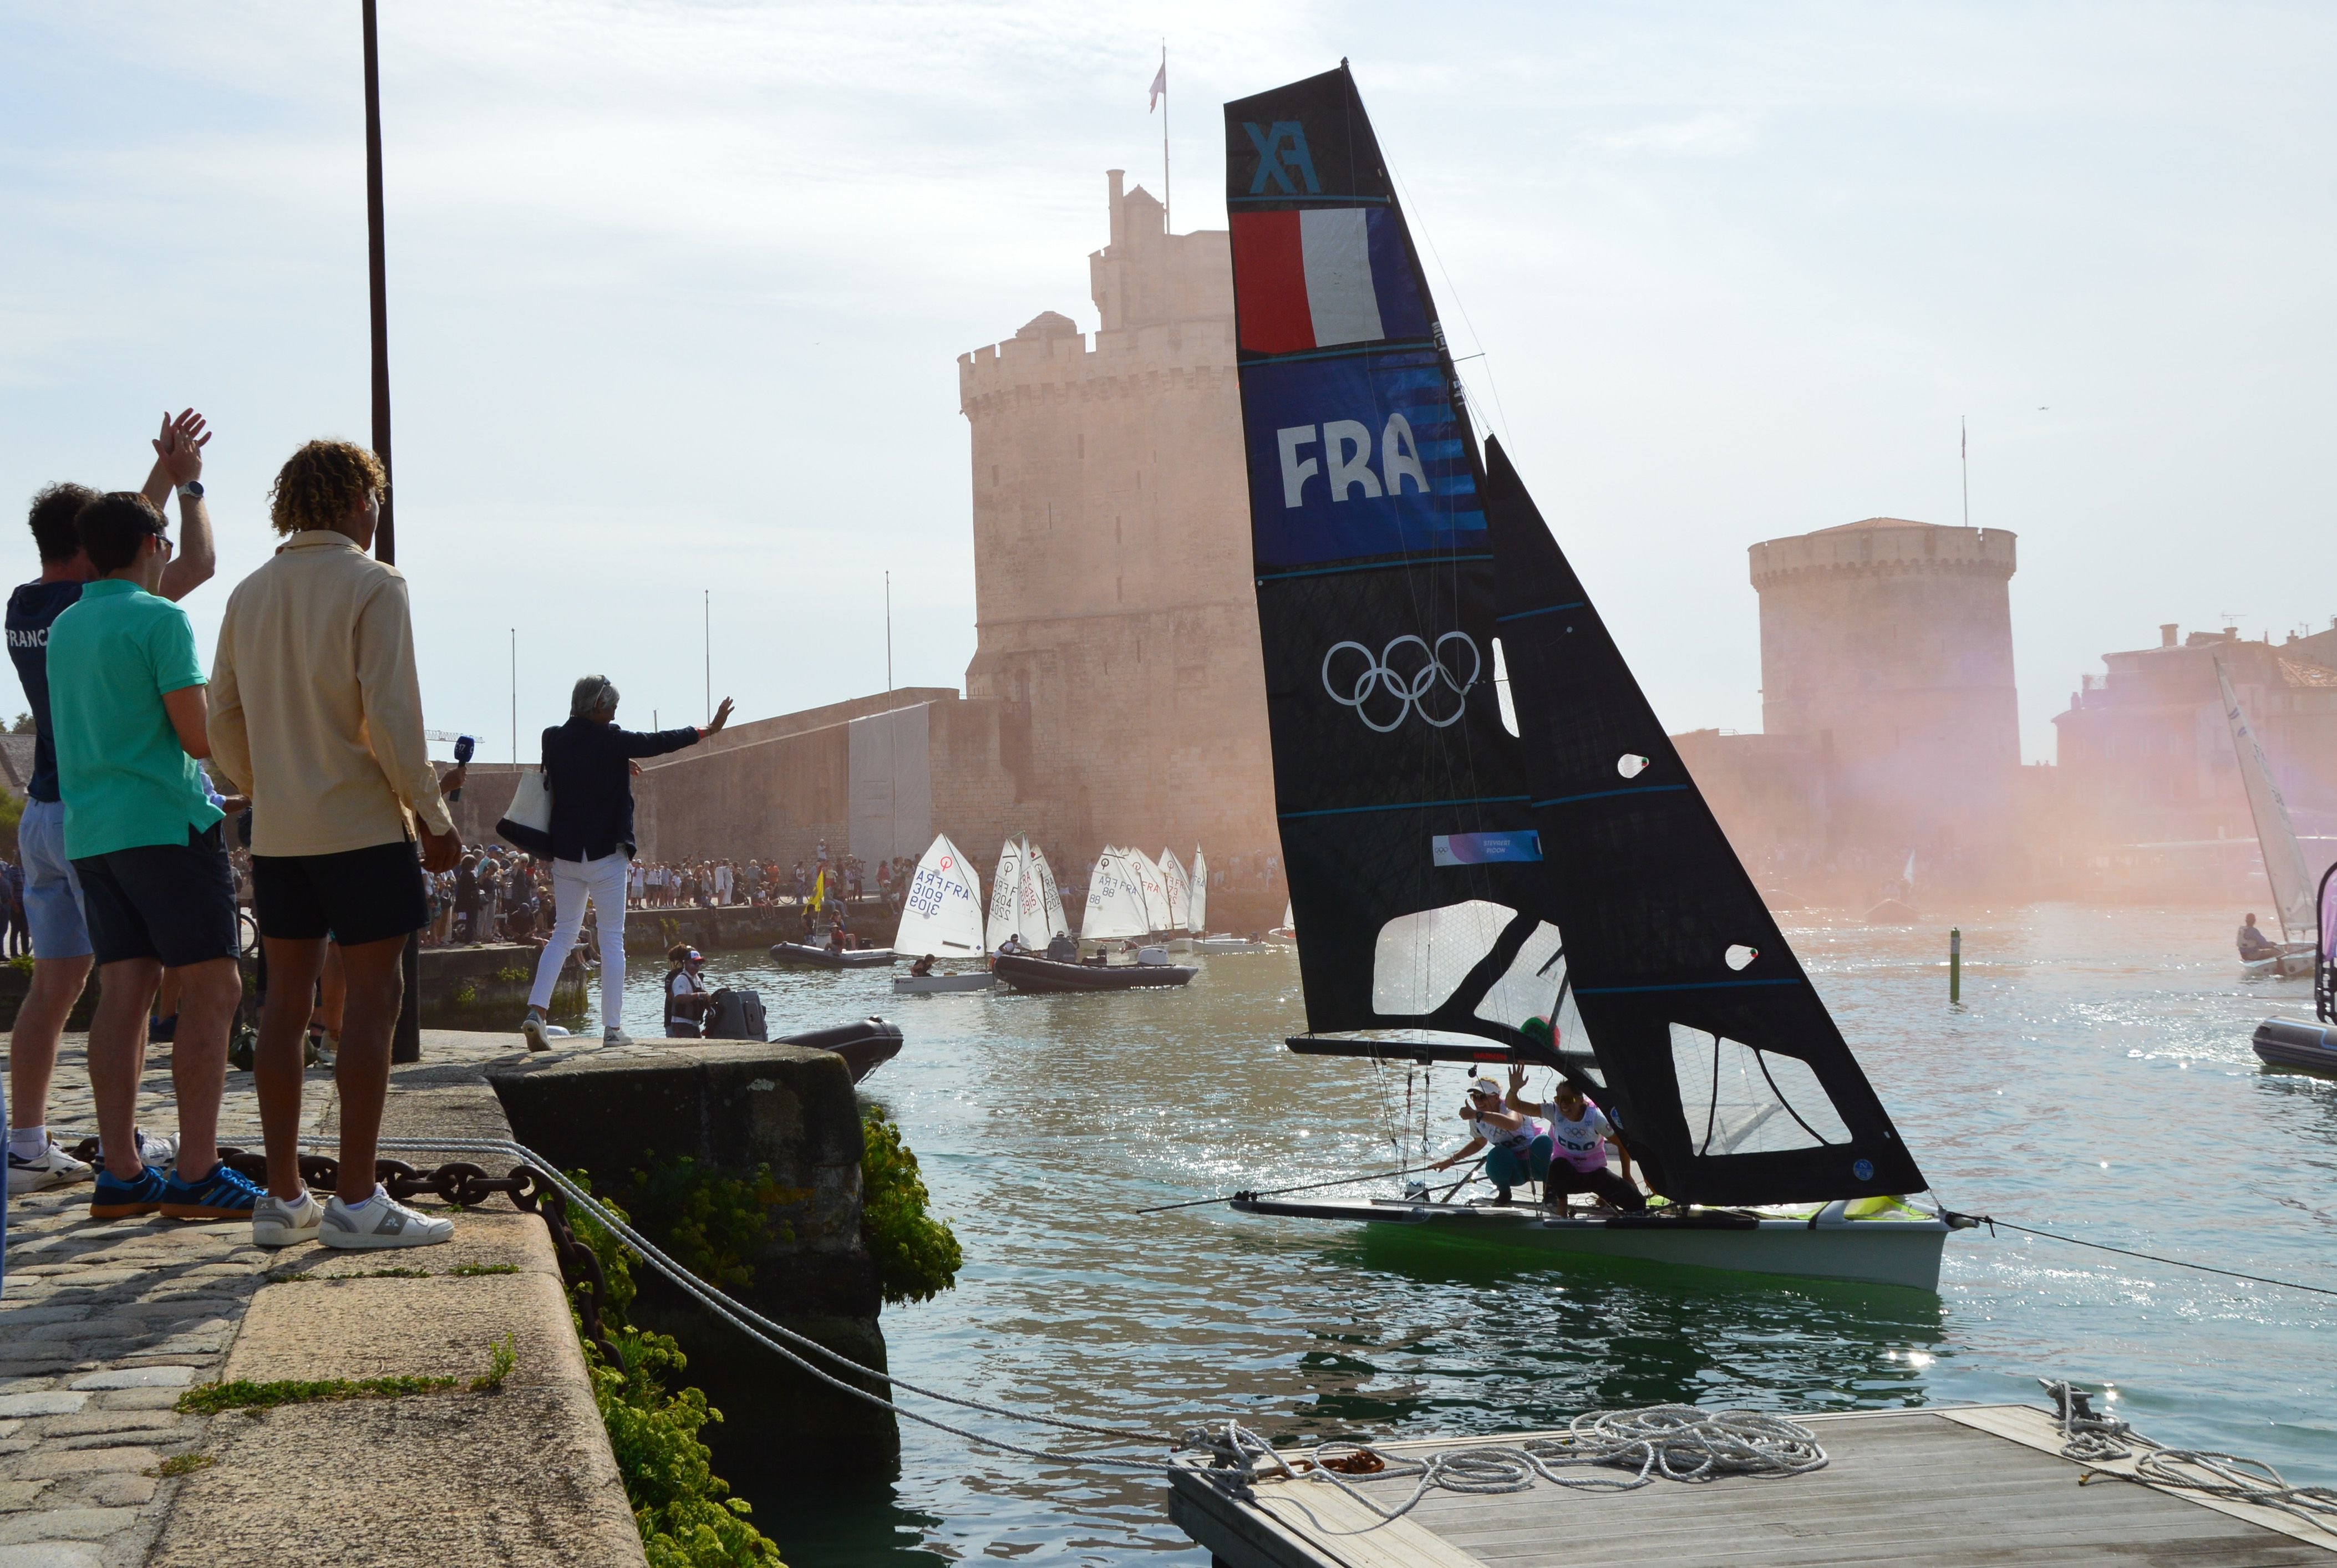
x: 221, y: 1195
x: 116, y: 1199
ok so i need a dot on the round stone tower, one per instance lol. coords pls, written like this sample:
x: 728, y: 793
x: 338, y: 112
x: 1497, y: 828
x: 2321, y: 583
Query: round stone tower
x: 1888, y: 645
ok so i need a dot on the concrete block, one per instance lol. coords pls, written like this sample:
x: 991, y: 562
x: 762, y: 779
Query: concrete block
x: 520, y: 1477
x: 119, y: 1489
x: 53, y: 1463
x: 139, y: 1399
x: 20, y: 1494
x: 47, y: 1524
x: 137, y: 1377
x: 494, y: 1235
x: 52, y: 1554
x: 433, y: 1327
x: 42, y: 1402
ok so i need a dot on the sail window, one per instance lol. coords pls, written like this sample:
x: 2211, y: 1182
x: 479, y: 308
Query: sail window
x: 1421, y: 959
x: 1631, y: 764
x: 1738, y: 956
x: 1529, y: 988
x: 1501, y: 689
x: 1743, y: 1101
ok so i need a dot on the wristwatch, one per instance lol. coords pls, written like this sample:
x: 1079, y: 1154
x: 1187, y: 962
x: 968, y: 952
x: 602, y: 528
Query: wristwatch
x: 191, y: 490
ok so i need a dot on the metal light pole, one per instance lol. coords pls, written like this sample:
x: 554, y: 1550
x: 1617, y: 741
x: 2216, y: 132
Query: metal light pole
x: 405, y: 1045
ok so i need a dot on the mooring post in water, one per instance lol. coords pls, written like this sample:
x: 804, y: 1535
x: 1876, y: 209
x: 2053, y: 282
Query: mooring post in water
x: 1955, y: 965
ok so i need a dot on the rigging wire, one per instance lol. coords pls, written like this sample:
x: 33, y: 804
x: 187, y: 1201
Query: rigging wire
x: 1277, y: 1191
x: 1991, y: 1221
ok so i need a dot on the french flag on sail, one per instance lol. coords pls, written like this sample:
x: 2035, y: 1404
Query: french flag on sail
x: 1321, y: 277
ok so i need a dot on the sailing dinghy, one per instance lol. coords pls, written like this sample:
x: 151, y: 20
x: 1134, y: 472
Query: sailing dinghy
x: 941, y: 916
x: 2285, y: 870
x: 1463, y: 879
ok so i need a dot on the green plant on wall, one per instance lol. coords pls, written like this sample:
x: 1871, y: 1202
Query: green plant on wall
x: 685, y: 1513
x: 466, y: 993
x: 715, y: 1223
x: 917, y: 1256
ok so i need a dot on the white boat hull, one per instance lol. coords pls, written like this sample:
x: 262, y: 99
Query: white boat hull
x: 1229, y: 945
x: 1903, y: 1251
x: 926, y: 985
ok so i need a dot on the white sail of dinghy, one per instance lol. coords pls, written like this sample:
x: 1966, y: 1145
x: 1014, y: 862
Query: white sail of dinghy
x: 2285, y: 866
x: 1031, y: 904
x: 1155, y: 888
x: 1051, y: 897
x: 1005, y: 896
x: 943, y: 913
x: 1196, y: 913
x: 1179, y: 888
x: 1115, y: 909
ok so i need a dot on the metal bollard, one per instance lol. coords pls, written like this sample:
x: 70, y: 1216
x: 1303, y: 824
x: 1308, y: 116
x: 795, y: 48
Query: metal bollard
x: 1955, y: 965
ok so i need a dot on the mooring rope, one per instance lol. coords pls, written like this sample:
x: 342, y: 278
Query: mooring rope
x: 2096, y: 1439
x: 1676, y: 1442
x: 1278, y: 1192
x: 1991, y: 1221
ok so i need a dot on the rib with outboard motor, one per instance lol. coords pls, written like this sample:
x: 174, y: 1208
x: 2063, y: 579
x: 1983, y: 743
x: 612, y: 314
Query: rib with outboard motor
x: 1463, y: 881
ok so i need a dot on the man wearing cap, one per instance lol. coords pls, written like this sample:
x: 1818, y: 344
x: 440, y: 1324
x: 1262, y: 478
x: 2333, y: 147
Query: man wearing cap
x: 1517, y: 1145
x: 1579, y: 1133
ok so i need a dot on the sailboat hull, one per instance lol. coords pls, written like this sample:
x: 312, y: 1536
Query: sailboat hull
x: 1880, y: 1252
x: 805, y: 956
x: 929, y: 985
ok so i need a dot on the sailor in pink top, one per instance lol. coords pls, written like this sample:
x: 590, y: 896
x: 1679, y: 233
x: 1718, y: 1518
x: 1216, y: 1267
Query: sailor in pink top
x: 1578, y: 1135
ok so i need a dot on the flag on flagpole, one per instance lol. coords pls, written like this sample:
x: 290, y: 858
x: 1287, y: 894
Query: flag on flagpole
x: 1160, y: 86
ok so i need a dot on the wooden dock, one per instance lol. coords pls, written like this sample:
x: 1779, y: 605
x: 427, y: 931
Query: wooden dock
x: 1984, y: 1484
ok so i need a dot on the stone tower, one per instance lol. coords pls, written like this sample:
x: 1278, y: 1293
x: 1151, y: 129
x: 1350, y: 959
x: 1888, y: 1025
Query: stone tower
x: 1887, y: 644
x: 1112, y: 560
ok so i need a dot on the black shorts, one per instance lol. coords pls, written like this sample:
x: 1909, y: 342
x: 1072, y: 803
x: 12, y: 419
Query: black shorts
x: 354, y: 897
x: 171, y: 902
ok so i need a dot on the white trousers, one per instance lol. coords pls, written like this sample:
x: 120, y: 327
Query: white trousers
x: 601, y: 882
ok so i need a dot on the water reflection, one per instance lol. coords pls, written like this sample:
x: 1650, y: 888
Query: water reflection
x: 2098, y: 1081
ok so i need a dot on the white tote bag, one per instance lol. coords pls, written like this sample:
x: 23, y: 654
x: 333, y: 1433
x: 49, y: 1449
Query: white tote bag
x: 527, y: 824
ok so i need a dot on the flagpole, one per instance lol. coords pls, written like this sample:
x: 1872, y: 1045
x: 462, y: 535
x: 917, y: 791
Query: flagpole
x: 1166, y: 225
x: 1963, y: 458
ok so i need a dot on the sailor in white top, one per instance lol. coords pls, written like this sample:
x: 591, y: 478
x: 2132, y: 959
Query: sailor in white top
x: 1517, y: 1146
x: 1578, y: 1133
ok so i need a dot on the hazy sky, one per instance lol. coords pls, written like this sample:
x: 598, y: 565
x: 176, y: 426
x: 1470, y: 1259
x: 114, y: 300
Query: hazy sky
x: 677, y: 293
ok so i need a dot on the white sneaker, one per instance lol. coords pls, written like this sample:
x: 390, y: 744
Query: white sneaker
x: 382, y: 1222
x: 160, y: 1149
x: 277, y: 1223
x: 532, y: 1026
x: 613, y: 1035
x: 52, y: 1167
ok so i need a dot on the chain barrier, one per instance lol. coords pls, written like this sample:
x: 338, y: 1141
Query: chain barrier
x: 466, y: 1186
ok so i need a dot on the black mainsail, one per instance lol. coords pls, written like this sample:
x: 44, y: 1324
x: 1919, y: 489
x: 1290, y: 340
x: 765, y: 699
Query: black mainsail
x: 1449, y: 875
x: 1402, y: 798
x: 1727, y: 1068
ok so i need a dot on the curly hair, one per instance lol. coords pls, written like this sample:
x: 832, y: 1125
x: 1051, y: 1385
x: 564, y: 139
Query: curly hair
x: 320, y: 482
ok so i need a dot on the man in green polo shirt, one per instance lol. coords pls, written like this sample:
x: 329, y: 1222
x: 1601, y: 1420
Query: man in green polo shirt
x: 126, y: 702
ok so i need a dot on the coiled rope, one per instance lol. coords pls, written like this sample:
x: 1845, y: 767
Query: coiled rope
x: 2096, y: 1439
x: 1677, y: 1442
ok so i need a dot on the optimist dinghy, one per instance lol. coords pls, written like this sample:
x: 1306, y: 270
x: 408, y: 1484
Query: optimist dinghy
x: 1462, y: 877
x: 942, y: 915
x: 2285, y: 868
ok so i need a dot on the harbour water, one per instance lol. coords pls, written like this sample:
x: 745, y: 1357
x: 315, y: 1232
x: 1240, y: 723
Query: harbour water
x: 2098, y: 1081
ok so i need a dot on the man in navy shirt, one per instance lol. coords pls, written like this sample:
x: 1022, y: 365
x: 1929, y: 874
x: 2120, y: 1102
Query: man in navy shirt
x: 53, y: 902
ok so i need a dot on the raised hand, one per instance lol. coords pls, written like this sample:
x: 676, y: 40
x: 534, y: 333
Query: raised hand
x: 721, y: 716
x: 1516, y: 1076
x: 178, y: 449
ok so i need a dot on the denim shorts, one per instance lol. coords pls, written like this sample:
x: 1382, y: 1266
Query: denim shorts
x: 53, y: 904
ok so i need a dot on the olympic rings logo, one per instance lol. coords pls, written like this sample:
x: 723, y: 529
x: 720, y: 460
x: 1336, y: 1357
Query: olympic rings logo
x: 1414, y: 688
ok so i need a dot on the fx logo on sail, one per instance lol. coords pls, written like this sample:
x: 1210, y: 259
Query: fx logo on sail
x: 1274, y: 164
